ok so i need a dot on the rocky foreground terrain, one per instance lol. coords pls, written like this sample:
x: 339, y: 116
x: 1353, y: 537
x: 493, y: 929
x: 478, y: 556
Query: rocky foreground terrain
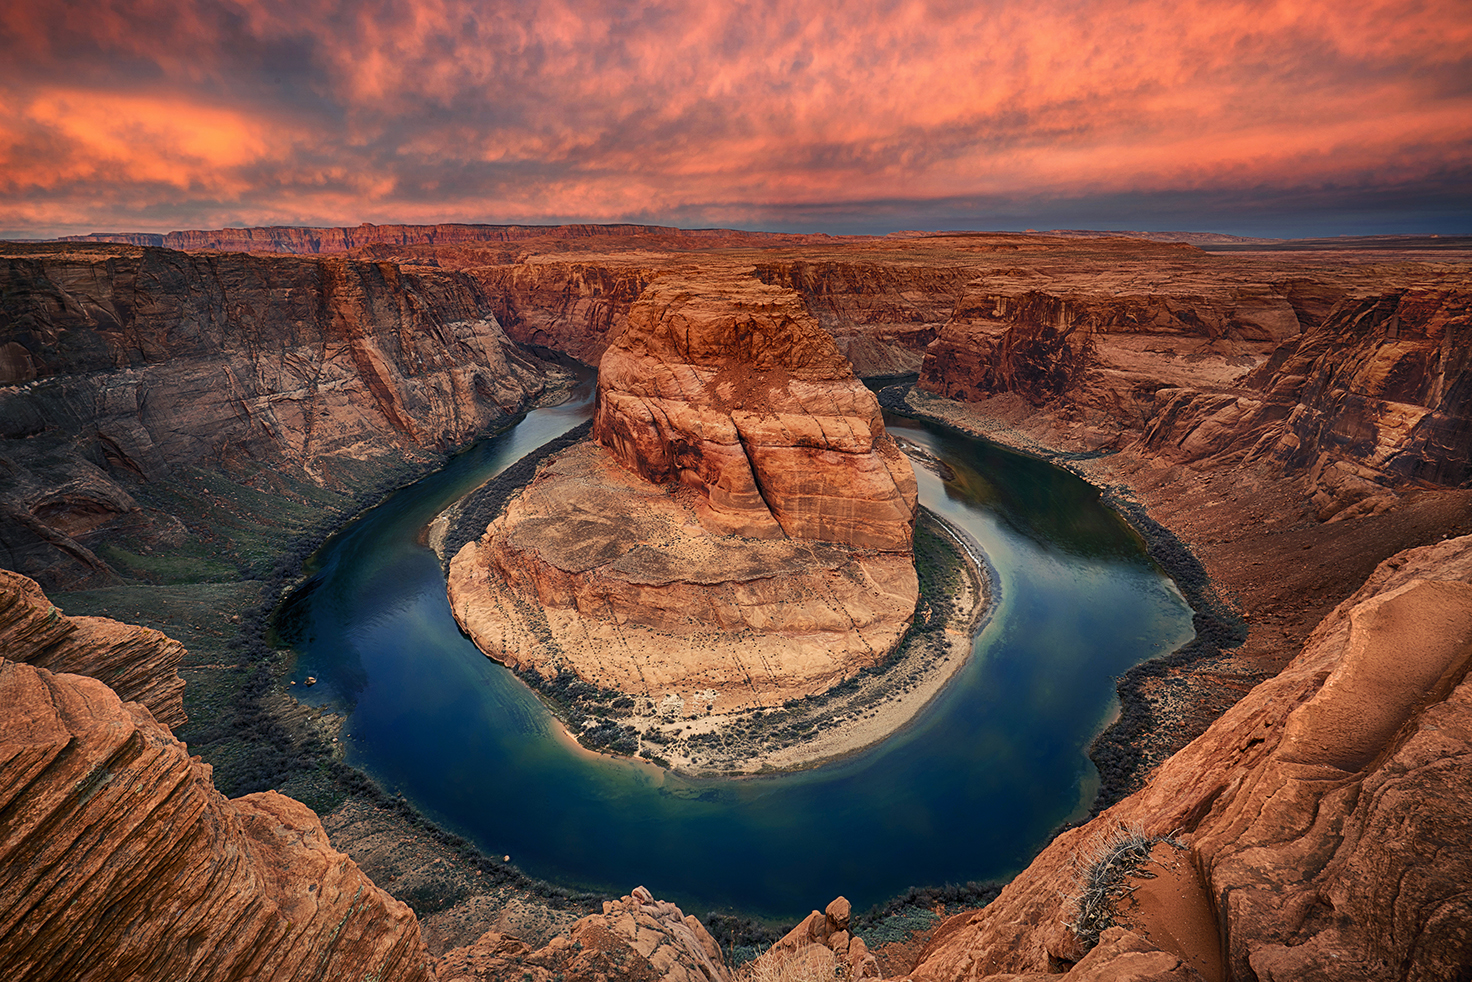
x: 1297, y: 419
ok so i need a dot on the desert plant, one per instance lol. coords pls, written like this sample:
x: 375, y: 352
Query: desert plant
x: 1115, y: 857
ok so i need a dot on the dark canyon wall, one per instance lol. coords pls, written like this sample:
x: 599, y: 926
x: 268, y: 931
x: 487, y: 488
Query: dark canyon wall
x: 120, y: 365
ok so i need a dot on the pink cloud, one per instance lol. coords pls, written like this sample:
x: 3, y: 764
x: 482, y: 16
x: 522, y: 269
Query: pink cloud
x: 327, y: 110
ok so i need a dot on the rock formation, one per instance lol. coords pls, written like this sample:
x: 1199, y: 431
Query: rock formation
x: 1325, y: 814
x: 1365, y: 396
x: 138, y: 663
x: 636, y: 937
x: 119, y: 860
x: 739, y: 535
x: 123, y: 364
x: 822, y: 946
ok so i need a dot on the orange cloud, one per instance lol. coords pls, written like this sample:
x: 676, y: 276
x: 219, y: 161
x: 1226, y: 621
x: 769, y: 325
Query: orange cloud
x: 129, y: 111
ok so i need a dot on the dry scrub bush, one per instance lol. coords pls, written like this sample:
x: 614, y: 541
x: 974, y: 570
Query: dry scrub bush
x: 1115, y: 857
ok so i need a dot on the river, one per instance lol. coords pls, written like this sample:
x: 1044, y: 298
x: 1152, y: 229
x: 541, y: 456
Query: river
x: 969, y: 791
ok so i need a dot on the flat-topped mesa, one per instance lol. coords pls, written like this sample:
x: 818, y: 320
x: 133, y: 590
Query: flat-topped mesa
x: 729, y: 387
x: 739, y: 533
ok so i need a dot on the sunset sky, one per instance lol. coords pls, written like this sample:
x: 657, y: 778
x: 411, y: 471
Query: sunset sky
x: 1276, y: 118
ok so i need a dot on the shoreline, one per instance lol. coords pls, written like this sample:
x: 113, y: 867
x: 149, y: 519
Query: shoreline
x: 800, y: 734
x: 1134, y: 741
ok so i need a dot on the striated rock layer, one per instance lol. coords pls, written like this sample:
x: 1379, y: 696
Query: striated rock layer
x: 138, y: 663
x: 121, y: 365
x: 1325, y: 815
x: 119, y: 859
x: 1362, y: 394
x: 741, y: 532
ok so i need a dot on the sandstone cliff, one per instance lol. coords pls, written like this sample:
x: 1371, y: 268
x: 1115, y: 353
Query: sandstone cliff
x: 1324, y: 818
x: 1363, y: 395
x: 123, y: 364
x: 119, y: 860
x: 138, y: 663
x: 740, y: 534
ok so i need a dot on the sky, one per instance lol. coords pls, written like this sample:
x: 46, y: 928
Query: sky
x: 1280, y: 117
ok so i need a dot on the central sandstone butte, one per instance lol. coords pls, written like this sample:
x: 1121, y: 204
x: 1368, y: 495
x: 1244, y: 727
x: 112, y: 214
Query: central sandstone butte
x: 738, y: 534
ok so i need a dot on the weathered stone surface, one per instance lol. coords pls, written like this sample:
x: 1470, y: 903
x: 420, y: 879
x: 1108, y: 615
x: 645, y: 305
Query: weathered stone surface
x: 636, y: 939
x: 119, y: 860
x: 138, y: 663
x: 819, y: 945
x: 1362, y: 394
x: 143, y: 360
x: 741, y: 536
x: 1326, y: 810
x: 729, y: 388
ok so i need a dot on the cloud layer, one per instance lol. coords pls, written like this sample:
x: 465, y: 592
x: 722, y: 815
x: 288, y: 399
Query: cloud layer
x: 153, y: 115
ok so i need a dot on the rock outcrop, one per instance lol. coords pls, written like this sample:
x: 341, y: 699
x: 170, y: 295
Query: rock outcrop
x: 138, y: 663
x: 119, y: 859
x: 1325, y: 815
x: 822, y: 946
x: 124, y: 364
x: 635, y: 938
x: 1365, y: 396
x: 739, y: 535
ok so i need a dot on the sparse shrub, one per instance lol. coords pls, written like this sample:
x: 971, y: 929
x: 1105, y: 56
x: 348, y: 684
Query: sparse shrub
x: 1115, y: 857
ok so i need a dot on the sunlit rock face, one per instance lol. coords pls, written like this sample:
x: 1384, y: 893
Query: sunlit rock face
x: 1359, y: 389
x: 120, y: 860
x: 739, y: 533
x: 729, y: 388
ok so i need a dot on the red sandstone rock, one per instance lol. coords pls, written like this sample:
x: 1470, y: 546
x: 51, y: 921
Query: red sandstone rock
x: 143, y: 361
x: 635, y: 938
x: 741, y: 537
x: 138, y: 663
x: 730, y: 388
x: 119, y: 859
x: 1326, y: 812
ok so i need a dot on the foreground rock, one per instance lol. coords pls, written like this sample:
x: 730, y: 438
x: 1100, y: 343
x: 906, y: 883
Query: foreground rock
x: 138, y: 663
x: 119, y: 859
x: 636, y: 939
x: 1324, y: 816
x: 740, y: 534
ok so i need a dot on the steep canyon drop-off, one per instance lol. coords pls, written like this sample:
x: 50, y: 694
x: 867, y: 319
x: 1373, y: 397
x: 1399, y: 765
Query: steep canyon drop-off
x: 1297, y: 419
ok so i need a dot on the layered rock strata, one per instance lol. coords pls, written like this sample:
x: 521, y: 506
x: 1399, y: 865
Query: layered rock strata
x: 1363, y: 396
x: 123, y: 364
x: 119, y: 859
x: 138, y: 663
x: 740, y: 534
x: 1324, y: 815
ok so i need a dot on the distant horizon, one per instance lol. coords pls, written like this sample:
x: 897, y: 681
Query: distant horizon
x: 796, y: 231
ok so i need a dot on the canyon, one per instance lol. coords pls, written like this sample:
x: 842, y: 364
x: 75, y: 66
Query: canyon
x: 1298, y: 419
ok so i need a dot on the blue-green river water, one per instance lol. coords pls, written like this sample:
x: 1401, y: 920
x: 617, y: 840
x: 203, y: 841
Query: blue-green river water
x: 969, y: 791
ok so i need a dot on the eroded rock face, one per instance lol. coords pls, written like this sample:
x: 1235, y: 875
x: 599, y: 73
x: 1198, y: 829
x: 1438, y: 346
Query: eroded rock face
x: 119, y: 859
x: 636, y: 939
x: 138, y: 663
x: 1362, y: 395
x: 739, y: 535
x: 1326, y: 812
x: 729, y: 388
x: 128, y: 363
